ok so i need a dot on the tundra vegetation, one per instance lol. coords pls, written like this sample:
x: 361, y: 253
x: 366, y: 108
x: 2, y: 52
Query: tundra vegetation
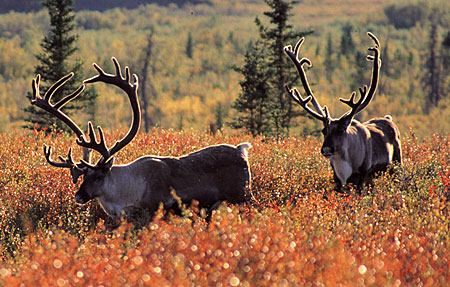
x: 397, y: 235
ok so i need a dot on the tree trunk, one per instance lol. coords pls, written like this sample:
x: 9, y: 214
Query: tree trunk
x: 145, y: 74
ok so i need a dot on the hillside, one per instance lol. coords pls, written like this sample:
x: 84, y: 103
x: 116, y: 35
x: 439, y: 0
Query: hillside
x: 187, y: 92
x: 98, y: 5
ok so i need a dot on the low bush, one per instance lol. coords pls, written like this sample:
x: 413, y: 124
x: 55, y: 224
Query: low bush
x: 396, y: 234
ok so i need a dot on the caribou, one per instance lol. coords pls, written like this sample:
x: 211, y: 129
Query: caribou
x: 356, y: 151
x: 209, y: 176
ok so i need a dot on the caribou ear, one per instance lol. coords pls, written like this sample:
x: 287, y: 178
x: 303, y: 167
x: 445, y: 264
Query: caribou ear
x: 108, y: 165
x: 76, y: 172
x: 347, y: 121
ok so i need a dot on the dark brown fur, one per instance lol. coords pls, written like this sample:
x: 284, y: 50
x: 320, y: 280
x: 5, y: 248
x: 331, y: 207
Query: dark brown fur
x: 210, y: 176
x: 366, y: 148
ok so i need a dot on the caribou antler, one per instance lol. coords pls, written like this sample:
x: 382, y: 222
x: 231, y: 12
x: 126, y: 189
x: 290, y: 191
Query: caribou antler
x: 366, y: 96
x: 76, y: 168
x: 90, y: 142
x: 319, y: 113
x: 322, y: 113
x: 44, y: 103
x: 131, y: 90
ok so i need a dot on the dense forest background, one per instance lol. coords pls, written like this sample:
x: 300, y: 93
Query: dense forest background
x: 198, y: 88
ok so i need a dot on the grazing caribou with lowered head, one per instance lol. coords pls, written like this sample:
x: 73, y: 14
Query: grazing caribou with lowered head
x: 356, y: 150
x: 211, y: 175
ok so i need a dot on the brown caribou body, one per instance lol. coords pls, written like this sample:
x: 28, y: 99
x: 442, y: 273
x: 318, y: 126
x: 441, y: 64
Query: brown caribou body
x: 211, y: 175
x: 356, y: 150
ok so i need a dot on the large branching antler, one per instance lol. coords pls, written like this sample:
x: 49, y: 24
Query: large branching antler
x: 76, y: 168
x: 90, y: 142
x: 55, y: 109
x: 319, y: 112
x: 131, y: 90
x: 322, y: 113
x: 44, y: 103
x: 366, y: 95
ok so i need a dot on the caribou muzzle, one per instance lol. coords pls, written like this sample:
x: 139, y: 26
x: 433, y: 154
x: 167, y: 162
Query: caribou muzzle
x: 327, y: 152
x: 82, y: 197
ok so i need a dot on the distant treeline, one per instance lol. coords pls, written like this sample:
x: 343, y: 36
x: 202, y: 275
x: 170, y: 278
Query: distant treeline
x: 99, y: 5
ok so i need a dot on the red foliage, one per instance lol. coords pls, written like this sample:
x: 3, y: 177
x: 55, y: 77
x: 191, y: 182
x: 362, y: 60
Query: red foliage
x: 396, y: 235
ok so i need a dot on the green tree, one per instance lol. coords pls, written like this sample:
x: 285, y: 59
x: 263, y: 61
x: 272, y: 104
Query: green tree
x: 445, y: 55
x: 405, y: 16
x: 217, y: 125
x: 276, y: 36
x: 219, y: 116
x: 190, y: 46
x: 347, y: 43
x: 386, y: 69
x: 329, y: 61
x: 432, y: 68
x: 252, y: 105
x: 148, y: 73
x: 358, y: 77
x: 58, y: 46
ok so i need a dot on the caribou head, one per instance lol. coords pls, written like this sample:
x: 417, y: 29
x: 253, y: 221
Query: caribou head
x: 94, y: 174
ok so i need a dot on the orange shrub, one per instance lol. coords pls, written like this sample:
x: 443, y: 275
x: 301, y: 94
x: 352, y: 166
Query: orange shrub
x: 396, y: 235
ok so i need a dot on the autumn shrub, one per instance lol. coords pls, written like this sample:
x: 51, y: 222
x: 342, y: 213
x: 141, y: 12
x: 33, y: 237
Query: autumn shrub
x: 395, y: 234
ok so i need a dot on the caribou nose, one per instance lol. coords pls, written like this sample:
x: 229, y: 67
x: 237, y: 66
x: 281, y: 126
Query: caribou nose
x: 78, y: 199
x: 81, y: 198
x: 327, y: 151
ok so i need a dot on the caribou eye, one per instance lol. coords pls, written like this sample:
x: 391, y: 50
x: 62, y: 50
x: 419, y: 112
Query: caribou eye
x: 98, y: 177
x: 341, y: 130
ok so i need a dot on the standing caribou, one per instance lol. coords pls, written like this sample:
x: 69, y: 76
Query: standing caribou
x: 356, y: 150
x: 211, y: 175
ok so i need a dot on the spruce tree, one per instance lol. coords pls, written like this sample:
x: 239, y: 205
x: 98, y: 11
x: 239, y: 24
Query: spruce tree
x: 347, y: 44
x: 147, y: 73
x: 445, y: 55
x: 358, y: 76
x: 276, y: 36
x: 190, y: 46
x: 329, y: 60
x: 219, y: 116
x: 58, y: 46
x: 432, y: 69
x: 253, y: 105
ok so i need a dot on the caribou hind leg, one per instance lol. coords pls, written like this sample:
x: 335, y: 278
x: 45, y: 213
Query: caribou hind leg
x: 211, y: 209
x: 397, y: 156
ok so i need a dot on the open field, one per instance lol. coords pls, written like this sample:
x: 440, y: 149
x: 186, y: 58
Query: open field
x: 396, y: 235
